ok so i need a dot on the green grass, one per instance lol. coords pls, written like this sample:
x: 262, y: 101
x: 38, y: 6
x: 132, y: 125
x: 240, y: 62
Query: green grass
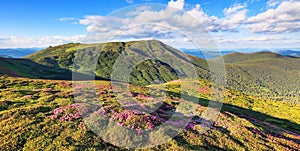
x: 26, y: 107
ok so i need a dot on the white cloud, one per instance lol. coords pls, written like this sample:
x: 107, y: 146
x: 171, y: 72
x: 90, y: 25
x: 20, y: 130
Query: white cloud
x: 232, y: 10
x: 234, y: 16
x: 129, y: 1
x: 179, y: 4
x: 144, y: 22
x: 102, y: 23
x: 138, y: 10
x: 25, y: 42
x: 263, y: 38
x: 67, y: 19
x: 273, y: 3
x: 285, y: 18
x: 252, y: 39
x: 266, y: 42
x: 194, y: 19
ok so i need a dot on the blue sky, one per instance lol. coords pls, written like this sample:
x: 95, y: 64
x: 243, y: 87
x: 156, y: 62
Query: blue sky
x: 232, y: 24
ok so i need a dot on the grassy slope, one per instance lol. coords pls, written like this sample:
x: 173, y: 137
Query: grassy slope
x: 26, y: 106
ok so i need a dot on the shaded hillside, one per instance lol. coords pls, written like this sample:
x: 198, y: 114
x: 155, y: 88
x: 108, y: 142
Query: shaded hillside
x: 29, y: 69
x: 170, y: 63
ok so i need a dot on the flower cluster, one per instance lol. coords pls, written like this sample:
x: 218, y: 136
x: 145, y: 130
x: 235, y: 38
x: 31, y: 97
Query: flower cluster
x: 65, y: 84
x: 82, y: 126
x: 191, y: 126
x: 83, y: 85
x: 153, y: 120
x: 66, y: 113
x: 204, y: 90
x: 103, y: 87
x: 143, y: 97
x: 122, y: 117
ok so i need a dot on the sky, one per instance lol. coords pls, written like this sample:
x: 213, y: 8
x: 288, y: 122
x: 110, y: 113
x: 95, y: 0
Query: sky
x: 222, y: 24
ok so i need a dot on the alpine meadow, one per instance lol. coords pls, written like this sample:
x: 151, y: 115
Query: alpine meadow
x: 150, y: 75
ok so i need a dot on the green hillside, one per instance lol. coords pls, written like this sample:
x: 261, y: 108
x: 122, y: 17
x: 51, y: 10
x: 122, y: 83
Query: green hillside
x: 266, y: 75
x: 144, y: 73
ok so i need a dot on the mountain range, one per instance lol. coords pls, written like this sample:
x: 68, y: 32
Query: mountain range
x: 259, y: 111
x: 289, y: 53
x: 208, y: 54
x: 213, y: 54
x: 17, y: 52
x: 256, y: 73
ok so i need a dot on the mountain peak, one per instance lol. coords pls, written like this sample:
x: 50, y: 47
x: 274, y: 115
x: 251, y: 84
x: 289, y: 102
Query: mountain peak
x: 157, y: 54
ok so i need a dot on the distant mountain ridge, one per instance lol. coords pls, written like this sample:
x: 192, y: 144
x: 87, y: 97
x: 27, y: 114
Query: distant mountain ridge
x: 289, y: 53
x: 5, y: 56
x: 18, y: 52
x: 214, y: 54
x: 205, y: 55
x: 241, y: 57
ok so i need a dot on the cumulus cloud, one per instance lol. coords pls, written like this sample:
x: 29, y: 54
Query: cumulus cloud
x: 284, y: 18
x: 17, y: 42
x: 234, y: 16
x: 144, y: 21
x: 179, y: 4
